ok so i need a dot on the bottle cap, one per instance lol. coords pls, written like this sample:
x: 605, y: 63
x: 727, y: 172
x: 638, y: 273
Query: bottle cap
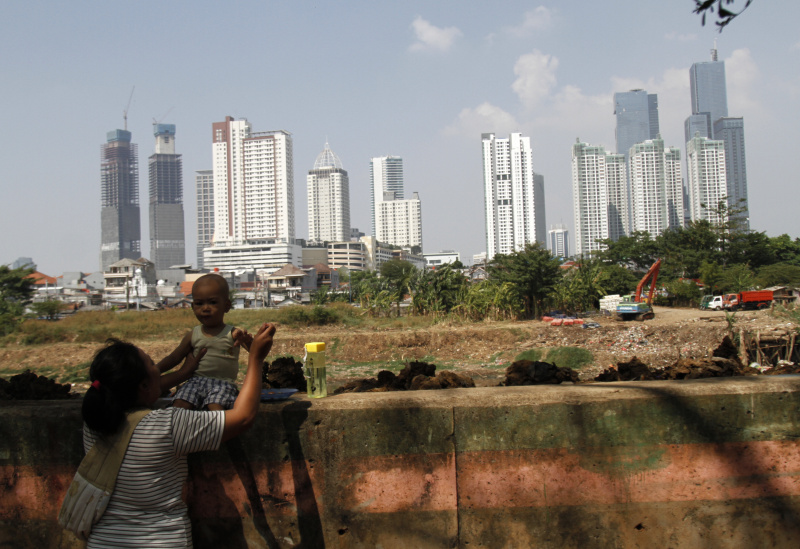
x: 316, y: 347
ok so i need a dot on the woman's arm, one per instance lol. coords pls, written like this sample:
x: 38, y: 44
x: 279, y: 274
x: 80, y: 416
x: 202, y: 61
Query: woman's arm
x: 241, y: 417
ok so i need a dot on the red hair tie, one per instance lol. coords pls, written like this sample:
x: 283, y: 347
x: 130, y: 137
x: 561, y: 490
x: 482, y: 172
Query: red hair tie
x: 96, y: 384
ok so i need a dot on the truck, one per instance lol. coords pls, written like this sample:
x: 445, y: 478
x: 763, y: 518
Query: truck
x: 749, y: 300
x: 716, y: 303
x: 637, y: 306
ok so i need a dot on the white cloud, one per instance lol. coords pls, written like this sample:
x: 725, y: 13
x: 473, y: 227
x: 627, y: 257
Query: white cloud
x: 482, y: 119
x: 536, y: 76
x: 540, y: 18
x: 742, y: 76
x: 430, y: 37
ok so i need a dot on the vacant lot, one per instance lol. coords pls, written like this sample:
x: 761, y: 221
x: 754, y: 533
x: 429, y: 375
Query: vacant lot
x: 481, y: 350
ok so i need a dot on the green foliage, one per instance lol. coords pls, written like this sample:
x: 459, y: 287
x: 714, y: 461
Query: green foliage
x: 438, y: 291
x: 580, y: 288
x: 15, y: 293
x: 618, y: 280
x: 570, y: 357
x: 48, y: 309
x: 711, y: 275
x: 779, y: 274
x: 737, y: 278
x: 532, y: 271
x: 534, y: 355
x: 457, y: 264
x: 724, y: 15
x: 683, y: 293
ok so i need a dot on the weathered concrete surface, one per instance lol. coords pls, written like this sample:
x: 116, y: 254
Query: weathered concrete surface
x: 707, y: 463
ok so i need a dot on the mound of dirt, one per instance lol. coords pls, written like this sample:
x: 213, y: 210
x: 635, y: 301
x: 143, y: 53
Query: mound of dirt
x: 527, y: 372
x: 724, y: 362
x: 415, y: 376
x: 29, y: 386
x: 284, y: 373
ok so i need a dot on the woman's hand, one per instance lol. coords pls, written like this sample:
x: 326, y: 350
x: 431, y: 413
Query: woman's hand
x: 262, y: 342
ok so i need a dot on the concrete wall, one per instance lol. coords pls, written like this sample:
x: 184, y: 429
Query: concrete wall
x: 708, y: 463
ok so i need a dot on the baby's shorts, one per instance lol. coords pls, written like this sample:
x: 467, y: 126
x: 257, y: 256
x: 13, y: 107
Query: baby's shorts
x: 202, y: 391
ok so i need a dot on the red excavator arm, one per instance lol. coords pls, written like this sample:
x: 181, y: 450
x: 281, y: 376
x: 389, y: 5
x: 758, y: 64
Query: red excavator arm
x: 651, y: 276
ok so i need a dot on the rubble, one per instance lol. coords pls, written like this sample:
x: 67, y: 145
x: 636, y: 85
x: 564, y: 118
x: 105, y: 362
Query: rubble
x: 527, y: 372
x: 414, y: 376
x: 284, y: 373
x: 29, y: 386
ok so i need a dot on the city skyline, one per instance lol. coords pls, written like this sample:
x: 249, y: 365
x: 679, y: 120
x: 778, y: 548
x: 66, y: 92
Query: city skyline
x: 418, y: 80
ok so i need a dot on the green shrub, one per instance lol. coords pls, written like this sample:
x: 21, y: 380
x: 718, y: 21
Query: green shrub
x: 570, y: 357
x: 294, y: 315
x: 533, y: 355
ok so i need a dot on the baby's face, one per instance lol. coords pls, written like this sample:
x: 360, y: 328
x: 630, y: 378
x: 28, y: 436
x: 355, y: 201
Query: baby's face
x: 210, y: 303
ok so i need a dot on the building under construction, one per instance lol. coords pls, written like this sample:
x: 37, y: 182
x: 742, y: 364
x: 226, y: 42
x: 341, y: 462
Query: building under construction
x: 120, y: 227
x: 167, y: 235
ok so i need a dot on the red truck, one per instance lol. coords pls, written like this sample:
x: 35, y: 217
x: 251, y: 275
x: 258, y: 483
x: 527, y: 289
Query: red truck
x: 755, y: 299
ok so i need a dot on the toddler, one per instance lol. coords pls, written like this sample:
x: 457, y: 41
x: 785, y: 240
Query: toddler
x: 214, y: 383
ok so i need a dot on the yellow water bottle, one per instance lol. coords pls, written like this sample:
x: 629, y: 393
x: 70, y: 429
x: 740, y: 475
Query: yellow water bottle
x: 315, y: 371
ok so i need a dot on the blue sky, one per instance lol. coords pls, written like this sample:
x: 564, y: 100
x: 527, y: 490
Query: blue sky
x: 421, y: 80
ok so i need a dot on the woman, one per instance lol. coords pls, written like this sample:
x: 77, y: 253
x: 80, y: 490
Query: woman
x: 146, y: 508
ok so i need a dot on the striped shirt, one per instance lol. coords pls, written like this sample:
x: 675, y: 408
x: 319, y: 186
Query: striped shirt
x: 146, y: 509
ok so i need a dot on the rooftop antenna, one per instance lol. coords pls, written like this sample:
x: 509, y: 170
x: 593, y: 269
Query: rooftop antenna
x: 714, y: 51
x: 125, y: 112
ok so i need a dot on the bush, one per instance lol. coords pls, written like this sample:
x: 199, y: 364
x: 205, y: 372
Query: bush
x: 570, y: 357
x: 534, y: 355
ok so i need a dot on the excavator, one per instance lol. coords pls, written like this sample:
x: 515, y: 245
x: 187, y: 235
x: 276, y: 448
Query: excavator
x: 638, y: 307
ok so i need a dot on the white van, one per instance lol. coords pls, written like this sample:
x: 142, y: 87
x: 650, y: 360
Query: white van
x: 716, y: 303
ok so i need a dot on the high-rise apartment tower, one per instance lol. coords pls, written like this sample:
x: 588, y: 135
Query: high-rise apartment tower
x: 513, y: 195
x: 656, y: 187
x: 386, y: 182
x: 253, y: 198
x: 328, y: 199
x: 204, y: 185
x: 599, y: 196
x: 120, y: 225
x: 167, y: 233
x: 707, y: 179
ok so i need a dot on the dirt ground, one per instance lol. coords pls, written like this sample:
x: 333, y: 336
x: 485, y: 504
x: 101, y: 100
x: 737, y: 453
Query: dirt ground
x: 482, y: 351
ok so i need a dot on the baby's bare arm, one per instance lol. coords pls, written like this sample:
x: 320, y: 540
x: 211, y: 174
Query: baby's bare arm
x: 176, y: 356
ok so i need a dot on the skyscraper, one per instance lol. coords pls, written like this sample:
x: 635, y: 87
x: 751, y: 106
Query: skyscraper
x: 167, y: 233
x: 637, y: 118
x: 513, y: 195
x: 328, y: 199
x: 120, y: 225
x: 599, y: 196
x: 710, y: 119
x: 253, y: 198
x: 709, y: 95
x: 386, y: 182
x: 731, y: 132
x: 707, y: 178
x: 204, y: 184
x: 656, y: 187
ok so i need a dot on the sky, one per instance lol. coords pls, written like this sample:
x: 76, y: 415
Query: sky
x: 417, y: 79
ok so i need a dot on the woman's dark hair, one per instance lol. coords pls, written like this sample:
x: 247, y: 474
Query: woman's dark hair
x: 119, y: 369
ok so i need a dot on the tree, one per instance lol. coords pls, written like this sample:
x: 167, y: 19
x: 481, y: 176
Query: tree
x: 15, y: 293
x: 738, y: 278
x: 397, y: 273
x: 711, y: 275
x: 725, y: 16
x: 457, y: 264
x: 779, y: 274
x: 48, y: 309
x: 638, y: 249
x: 533, y: 271
x: 618, y: 280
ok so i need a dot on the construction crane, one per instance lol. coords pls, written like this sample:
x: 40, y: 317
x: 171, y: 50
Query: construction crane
x: 640, y: 308
x: 125, y: 112
x: 162, y: 117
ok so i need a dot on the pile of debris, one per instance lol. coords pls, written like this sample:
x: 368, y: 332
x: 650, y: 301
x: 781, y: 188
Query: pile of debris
x: 527, y: 372
x: 283, y: 373
x: 29, y: 386
x: 724, y: 362
x: 414, y: 376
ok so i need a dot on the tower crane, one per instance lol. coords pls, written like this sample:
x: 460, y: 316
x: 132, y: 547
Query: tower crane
x: 125, y: 112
